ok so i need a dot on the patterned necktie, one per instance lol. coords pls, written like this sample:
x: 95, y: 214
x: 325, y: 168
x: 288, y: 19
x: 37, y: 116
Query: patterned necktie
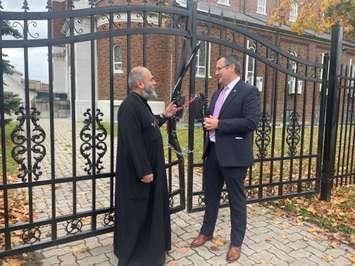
x: 218, y: 107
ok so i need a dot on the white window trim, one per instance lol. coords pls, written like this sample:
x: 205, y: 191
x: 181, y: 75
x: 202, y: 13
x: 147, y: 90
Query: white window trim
x: 116, y: 71
x: 291, y: 81
x: 223, y: 2
x: 321, y: 70
x: 261, y: 9
x: 352, y: 75
x: 209, y: 63
x: 293, y: 12
x: 247, y: 58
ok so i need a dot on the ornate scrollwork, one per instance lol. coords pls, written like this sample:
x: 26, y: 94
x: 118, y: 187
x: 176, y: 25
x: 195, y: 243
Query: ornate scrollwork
x: 20, y: 149
x: 33, y: 35
x: 109, y: 218
x: 262, y: 139
x: 38, y: 149
x: 31, y: 235
x: 86, y: 137
x: 74, y: 226
x: 293, y: 134
x: 101, y: 135
x: 19, y: 27
x: 78, y: 30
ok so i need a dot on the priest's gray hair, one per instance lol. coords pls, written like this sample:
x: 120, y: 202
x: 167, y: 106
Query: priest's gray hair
x: 135, y: 75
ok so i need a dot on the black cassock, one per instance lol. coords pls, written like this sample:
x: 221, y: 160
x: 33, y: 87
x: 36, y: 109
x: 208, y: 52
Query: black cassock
x: 142, y: 225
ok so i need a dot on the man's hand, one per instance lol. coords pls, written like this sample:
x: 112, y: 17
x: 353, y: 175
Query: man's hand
x: 210, y: 123
x: 171, y: 110
x: 147, y: 178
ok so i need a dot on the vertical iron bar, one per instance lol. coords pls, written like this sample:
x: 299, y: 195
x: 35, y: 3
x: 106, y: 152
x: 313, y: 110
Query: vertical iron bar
x: 352, y: 130
x: 274, y: 116
x: 28, y: 125
x: 296, y: 117
x: 260, y: 189
x: 300, y: 170
x: 144, y: 17
x: 280, y: 191
x: 93, y: 122
x: 322, y: 115
x: 331, y: 117
x: 341, y: 94
x: 73, y: 110
x: 312, y: 126
x: 51, y: 125
x: 128, y: 45
x: 192, y: 7
x: 112, y: 115
x: 344, y: 89
x: 3, y: 154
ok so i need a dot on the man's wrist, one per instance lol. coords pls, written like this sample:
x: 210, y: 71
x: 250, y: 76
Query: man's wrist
x: 162, y: 115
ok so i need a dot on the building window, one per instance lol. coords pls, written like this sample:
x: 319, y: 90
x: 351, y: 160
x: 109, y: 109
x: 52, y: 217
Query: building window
x: 261, y: 8
x: 250, y: 63
x: 223, y: 2
x: 291, y: 80
x: 117, y: 60
x: 293, y: 12
x: 201, y: 62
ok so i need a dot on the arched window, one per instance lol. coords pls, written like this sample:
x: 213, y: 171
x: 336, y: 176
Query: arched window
x: 117, y: 60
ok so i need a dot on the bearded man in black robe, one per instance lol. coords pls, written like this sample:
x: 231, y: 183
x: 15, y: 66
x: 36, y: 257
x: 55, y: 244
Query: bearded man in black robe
x: 142, y: 225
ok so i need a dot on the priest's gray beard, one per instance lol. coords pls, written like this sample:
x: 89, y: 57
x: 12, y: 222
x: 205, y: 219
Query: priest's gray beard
x: 149, y: 94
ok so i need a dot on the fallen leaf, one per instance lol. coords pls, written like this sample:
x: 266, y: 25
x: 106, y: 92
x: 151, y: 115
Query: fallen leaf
x: 352, y: 258
x: 182, y: 250
x: 218, y: 242
x: 328, y: 258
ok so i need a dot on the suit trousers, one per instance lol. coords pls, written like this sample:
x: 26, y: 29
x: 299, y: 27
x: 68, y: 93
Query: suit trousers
x: 214, y: 178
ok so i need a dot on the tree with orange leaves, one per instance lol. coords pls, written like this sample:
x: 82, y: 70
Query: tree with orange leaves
x: 317, y: 15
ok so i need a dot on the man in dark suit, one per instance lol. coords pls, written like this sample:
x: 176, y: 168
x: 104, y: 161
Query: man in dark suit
x: 235, y: 113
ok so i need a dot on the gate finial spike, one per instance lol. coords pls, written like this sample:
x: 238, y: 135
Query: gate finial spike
x: 70, y: 4
x: 92, y: 3
x: 49, y: 5
x: 25, y: 6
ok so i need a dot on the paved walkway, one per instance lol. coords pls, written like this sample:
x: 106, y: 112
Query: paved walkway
x: 270, y: 240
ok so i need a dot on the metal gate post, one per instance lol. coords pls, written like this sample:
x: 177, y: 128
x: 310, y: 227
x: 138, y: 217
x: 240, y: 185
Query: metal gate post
x: 331, y: 114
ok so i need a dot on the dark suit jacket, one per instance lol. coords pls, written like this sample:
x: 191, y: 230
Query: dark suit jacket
x: 238, y: 118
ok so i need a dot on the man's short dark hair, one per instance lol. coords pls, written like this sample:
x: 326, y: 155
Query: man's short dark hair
x: 232, y: 60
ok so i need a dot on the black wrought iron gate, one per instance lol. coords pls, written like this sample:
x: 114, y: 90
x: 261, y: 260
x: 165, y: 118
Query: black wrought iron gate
x: 58, y: 157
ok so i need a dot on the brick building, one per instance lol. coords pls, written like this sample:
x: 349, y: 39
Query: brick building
x: 162, y: 55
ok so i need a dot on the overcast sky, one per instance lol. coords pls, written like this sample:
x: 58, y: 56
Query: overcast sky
x: 38, y: 63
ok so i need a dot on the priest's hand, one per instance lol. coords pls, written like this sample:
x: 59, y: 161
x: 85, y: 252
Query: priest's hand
x: 171, y: 110
x: 147, y: 178
x: 210, y: 123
